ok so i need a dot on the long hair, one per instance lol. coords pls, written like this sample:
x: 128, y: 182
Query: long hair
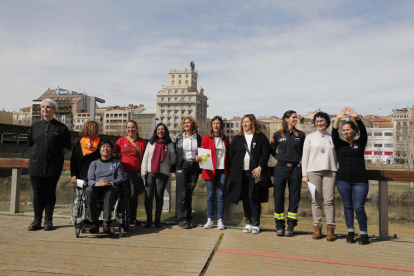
x: 136, y: 126
x: 255, y: 126
x: 193, y: 122
x: 285, y: 127
x: 88, y: 128
x: 211, y: 134
x: 154, y: 138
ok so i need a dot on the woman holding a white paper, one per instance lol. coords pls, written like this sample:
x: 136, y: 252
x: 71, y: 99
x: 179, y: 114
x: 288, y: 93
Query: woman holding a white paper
x: 216, y: 178
x: 319, y: 169
x: 249, y: 179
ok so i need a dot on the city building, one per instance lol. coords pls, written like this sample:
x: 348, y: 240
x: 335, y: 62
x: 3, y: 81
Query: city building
x: 403, y: 135
x: 69, y: 103
x: 181, y: 99
x: 116, y: 118
x: 145, y: 119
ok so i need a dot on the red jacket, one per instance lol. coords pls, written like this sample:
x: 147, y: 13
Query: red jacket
x: 208, y: 143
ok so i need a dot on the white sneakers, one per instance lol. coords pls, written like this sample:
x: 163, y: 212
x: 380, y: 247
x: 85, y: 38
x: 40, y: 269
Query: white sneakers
x: 220, y: 225
x: 248, y: 228
x: 251, y: 229
x: 210, y: 224
x: 255, y: 230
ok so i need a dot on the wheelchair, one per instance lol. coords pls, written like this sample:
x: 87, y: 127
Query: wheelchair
x: 120, y: 216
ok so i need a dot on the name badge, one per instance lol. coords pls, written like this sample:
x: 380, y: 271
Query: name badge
x: 282, y: 139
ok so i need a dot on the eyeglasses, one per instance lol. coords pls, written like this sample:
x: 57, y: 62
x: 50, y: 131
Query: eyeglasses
x: 320, y: 121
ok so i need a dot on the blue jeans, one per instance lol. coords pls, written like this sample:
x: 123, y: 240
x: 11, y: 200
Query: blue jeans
x: 216, y: 185
x: 353, y: 197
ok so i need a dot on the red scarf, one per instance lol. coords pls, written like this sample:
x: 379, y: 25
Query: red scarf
x: 160, y: 151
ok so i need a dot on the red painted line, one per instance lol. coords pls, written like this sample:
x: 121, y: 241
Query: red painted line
x: 320, y: 260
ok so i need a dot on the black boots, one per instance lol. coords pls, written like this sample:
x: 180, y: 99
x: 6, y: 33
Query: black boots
x: 363, y: 239
x: 350, y: 237
x: 291, y: 226
x: 48, y: 225
x: 36, y: 225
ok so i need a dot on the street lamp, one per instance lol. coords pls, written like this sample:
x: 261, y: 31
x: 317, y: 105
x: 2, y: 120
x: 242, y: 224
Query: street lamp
x: 93, y: 106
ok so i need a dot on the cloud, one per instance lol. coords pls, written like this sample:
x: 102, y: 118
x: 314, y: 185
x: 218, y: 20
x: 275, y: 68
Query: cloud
x: 262, y: 57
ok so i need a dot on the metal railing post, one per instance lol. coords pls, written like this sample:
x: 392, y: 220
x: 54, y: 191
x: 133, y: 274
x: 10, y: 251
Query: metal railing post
x: 383, y: 209
x: 15, y: 190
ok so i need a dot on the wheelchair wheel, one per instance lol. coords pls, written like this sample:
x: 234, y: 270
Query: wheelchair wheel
x: 121, y: 231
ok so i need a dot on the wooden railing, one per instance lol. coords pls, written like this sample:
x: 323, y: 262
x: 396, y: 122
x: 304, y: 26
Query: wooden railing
x: 383, y: 176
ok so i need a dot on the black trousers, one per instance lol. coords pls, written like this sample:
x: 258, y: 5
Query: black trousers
x: 156, y: 186
x: 137, y: 185
x: 252, y: 209
x: 44, y: 196
x: 187, y: 178
x: 293, y: 176
x: 107, y: 193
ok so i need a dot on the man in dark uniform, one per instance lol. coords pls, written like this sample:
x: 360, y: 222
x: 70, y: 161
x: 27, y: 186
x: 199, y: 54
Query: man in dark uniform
x: 289, y: 145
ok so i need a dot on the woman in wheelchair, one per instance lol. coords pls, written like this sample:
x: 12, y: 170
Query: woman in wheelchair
x: 105, y: 177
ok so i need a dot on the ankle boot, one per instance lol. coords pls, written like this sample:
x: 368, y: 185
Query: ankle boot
x: 363, y: 239
x: 350, y: 237
x: 317, y: 234
x: 330, y: 236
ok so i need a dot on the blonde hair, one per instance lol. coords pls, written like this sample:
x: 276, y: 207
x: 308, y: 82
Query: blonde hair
x: 52, y: 103
x: 255, y: 126
x: 88, y: 128
x: 193, y: 123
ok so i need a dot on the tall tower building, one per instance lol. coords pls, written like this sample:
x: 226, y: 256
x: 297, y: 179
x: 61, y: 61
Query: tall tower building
x: 181, y: 99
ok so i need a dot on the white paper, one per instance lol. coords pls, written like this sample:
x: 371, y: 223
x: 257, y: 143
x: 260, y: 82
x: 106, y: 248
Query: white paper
x: 206, y: 160
x: 312, y: 189
x: 79, y: 183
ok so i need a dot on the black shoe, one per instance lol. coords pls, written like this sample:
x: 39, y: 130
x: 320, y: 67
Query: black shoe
x: 36, y: 225
x: 280, y: 232
x: 363, y: 239
x: 158, y: 225
x: 147, y: 226
x: 48, y: 225
x: 137, y: 223
x: 184, y: 225
x: 192, y: 225
x: 350, y: 237
x: 290, y: 228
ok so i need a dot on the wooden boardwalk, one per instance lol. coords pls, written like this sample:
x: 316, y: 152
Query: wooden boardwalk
x: 174, y: 251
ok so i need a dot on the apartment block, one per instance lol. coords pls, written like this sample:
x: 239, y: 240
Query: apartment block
x: 181, y: 99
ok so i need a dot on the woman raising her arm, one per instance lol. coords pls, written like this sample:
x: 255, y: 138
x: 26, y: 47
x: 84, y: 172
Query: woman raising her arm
x: 352, y: 179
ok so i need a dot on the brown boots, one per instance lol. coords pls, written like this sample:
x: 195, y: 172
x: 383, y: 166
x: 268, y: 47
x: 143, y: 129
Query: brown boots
x: 317, y: 234
x: 330, y: 236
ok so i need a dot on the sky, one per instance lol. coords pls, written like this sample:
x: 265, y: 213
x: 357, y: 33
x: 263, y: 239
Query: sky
x: 261, y: 57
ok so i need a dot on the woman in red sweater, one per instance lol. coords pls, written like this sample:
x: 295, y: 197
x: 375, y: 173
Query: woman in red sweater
x: 216, y: 179
x: 130, y: 150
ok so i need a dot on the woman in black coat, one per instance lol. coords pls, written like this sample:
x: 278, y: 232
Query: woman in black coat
x: 245, y: 171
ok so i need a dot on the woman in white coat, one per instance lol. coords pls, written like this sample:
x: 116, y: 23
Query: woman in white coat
x: 155, y: 170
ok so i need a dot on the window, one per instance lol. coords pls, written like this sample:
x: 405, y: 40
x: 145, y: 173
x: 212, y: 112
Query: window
x: 388, y: 134
x: 388, y: 145
x: 172, y: 84
x: 232, y: 124
x: 237, y: 125
x: 186, y: 82
x: 179, y: 76
x: 173, y: 76
x: 228, y: 131
x: 179, y: 82
x: 377, y: 145
x: 369, y: 133
x: 186, y: 76
x: 228, y: 124
x: 377, y: 133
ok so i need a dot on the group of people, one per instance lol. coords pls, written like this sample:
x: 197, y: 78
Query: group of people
x: 242, y: 165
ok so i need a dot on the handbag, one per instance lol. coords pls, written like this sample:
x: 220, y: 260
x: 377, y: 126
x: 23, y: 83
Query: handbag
x: 260, y: 180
